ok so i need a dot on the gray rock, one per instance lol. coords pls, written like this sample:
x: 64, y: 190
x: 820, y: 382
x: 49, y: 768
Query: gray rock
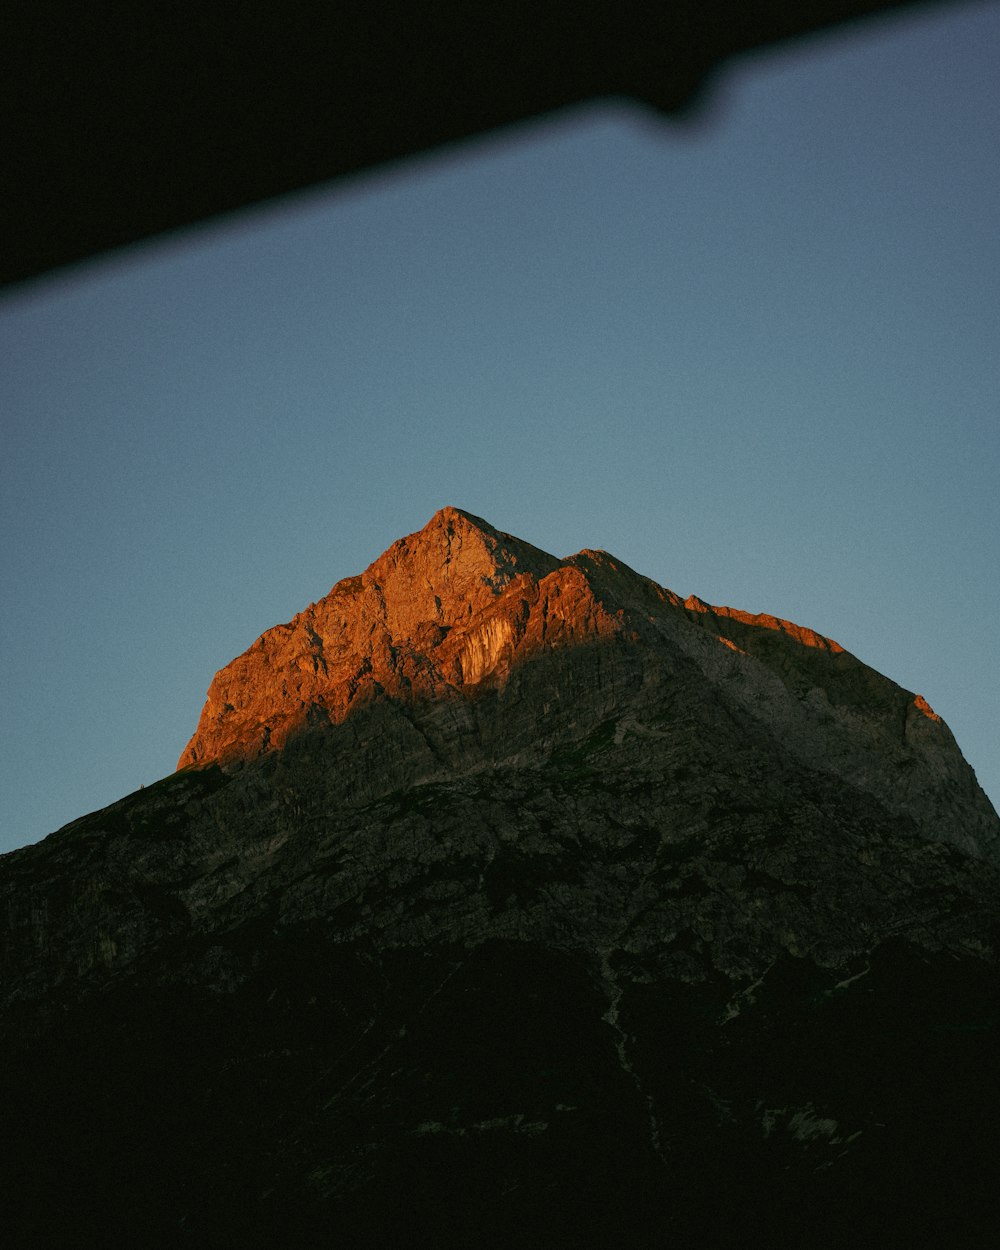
x: 548, y: 907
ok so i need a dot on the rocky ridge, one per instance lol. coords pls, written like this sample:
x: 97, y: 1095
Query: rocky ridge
x: 450, y: 611
x: 506, y: 897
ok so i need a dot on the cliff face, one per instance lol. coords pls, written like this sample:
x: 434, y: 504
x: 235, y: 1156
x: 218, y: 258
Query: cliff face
x: 452, y: 611
x: 435, y: 616
x: 500, y: 897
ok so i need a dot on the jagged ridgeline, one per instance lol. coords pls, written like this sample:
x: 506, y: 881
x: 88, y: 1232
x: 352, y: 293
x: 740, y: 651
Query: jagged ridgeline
x: 500, y: 898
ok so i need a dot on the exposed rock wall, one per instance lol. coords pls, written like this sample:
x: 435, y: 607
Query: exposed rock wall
x: 459, y: 606
x: 508, y: 900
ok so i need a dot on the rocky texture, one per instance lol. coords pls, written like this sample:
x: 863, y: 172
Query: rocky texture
x: 502, y: 898
x: 448, y: 613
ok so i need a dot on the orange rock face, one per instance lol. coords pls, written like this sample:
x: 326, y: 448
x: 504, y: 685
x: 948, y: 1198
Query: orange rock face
x: 800, y: 633
x: 459, y: 611
x: 441, y: 613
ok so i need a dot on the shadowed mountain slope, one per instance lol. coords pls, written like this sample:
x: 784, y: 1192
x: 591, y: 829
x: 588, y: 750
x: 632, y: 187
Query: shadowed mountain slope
x: 449, y: 614
x: 502, y: 897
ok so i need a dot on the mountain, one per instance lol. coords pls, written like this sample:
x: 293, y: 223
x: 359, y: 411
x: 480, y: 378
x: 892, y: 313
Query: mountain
x: 503, y: 898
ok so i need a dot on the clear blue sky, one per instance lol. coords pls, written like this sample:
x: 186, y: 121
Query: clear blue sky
x: 756, y: 356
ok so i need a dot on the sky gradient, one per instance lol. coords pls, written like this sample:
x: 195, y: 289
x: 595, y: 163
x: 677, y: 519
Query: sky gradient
x: 754, y: 355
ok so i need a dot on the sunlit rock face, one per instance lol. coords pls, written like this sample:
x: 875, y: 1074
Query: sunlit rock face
x: 507, y: 899
x: 435, y: 616
x: 457, y: 608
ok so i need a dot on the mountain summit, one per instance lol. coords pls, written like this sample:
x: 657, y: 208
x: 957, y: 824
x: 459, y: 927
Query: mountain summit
x: 507, y: 899
x: 438, y: 613
x: 452, y: 611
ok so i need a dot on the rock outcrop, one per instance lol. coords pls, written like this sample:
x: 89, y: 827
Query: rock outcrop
x: 500, y: 897
x: 454, y: 609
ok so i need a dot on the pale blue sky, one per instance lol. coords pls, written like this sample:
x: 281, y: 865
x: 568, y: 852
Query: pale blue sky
x: 755, y: 356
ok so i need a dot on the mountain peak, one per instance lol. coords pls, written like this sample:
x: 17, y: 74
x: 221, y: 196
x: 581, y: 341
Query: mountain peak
x: 459, y: 608
x: 437, y: 613
x: 687, y: 861
x: 456, y: 556
x: 449, y: 515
